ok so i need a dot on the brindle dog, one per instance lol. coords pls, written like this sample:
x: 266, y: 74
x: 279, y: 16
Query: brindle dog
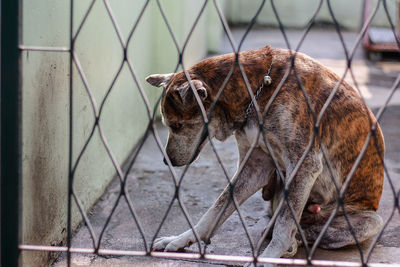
x: 289, y: 127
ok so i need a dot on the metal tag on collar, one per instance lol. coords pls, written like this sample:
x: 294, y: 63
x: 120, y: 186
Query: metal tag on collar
x: 267, y: 80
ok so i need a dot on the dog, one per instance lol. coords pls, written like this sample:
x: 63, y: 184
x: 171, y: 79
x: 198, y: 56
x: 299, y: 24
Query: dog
x: 313, y: 152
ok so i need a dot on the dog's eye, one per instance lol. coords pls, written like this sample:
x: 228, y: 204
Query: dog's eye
x: 176, y: 126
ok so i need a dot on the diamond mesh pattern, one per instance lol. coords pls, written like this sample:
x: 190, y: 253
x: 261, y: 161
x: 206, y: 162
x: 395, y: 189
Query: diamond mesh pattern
x: 151, y: 131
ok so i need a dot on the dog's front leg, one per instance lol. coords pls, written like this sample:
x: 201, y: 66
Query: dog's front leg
x: 283, y: 240
x: 253, y: 176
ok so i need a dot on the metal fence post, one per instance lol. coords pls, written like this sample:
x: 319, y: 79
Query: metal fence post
x: 10, y: 102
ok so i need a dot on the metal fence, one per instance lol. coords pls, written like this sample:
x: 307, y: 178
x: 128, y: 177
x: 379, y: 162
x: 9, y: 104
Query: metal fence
x: 11, y: 134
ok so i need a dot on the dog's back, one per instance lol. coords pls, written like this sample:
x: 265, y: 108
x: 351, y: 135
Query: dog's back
x: 344, y: 128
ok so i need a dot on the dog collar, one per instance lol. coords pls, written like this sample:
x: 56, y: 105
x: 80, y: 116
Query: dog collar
x: 266, y: 81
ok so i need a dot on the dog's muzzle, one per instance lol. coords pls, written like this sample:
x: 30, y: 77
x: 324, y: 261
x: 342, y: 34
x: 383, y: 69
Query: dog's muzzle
x: 193, y: 157
x: 173, y: 163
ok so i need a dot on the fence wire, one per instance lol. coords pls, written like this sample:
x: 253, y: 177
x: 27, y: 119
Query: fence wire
x: 260, y: 112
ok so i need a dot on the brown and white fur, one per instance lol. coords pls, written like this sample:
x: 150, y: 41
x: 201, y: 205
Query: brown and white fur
x: 289, y: 127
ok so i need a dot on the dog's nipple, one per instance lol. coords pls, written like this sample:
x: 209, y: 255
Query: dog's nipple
x: 314, y: 208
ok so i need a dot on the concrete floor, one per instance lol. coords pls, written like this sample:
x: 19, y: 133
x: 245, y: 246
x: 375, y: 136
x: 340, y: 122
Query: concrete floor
x: 151, y: 188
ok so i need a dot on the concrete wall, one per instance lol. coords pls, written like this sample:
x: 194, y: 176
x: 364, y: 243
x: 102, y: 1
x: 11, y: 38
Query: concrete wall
x: 298, y: 13
x: 123, y: 120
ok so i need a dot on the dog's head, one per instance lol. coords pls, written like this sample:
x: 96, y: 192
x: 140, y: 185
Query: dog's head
x: 181, y: 107
x: 185, y: 103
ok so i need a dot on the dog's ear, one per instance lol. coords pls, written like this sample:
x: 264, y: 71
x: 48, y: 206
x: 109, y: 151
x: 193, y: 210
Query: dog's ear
x: 186, y: 93
x: 158, y: 80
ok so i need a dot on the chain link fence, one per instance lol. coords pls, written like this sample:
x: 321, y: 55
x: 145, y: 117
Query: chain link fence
x: 260, y: 113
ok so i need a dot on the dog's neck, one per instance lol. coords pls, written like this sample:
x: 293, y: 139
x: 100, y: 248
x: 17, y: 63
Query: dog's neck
x: 266, y: 82
x: 235, y: 98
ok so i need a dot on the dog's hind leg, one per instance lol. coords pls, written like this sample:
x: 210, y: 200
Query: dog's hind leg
x: 283, y: 237
x: 253, y: 177
x: 364, y: 224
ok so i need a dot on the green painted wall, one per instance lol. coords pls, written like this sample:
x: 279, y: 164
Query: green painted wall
x: 298, y: 13
x: 123, y: 119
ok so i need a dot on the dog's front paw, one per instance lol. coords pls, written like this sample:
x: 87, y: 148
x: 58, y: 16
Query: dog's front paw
x: 171, y: 243
x: 161, y: 243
